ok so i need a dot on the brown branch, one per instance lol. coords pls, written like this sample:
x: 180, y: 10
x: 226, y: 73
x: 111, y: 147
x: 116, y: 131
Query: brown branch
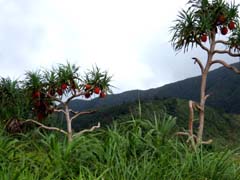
x: 82, y: 113
x: 45, y: 127
x: 227, y: 52
x: 186, y: 134
x: 182, y: 133
x: 199, y: 63
x: 207, y: 142
x: 236, y: 70
x: 191, y: 116
x: 74, y: 112
x: 201, y: 45
x: 222, y: 42
x: 59, y: 110
x: 73, y: 96
x: 55, y: 99
x: 205, y: 98
x: 87, y: 130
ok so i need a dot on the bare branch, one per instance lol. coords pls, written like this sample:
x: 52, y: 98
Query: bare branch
x: 222, y: 42
x: 56, y: 99
x: 182, y: 133
x: 73, y: 96
x: 45, y: 127
x: 82, y: 113
x: 74, y: 112
x: 197, y: 107
x: 191, y: 116
x: 87, y: 130
x: 186, y: 134
x: 59, y: 110
x: 201, y: 45
x: 229, y: 52
x: 199, y: 63
x: 207, y: 142
x: 236, y: 70
x: 205, y: 98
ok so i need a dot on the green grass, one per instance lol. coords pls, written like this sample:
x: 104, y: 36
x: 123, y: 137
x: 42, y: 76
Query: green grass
x: 138, y: 149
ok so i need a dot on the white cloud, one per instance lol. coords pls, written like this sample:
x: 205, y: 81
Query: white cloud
x: 129, y: 38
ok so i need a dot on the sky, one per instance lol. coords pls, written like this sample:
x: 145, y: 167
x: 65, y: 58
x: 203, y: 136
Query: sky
x: 128, y: 38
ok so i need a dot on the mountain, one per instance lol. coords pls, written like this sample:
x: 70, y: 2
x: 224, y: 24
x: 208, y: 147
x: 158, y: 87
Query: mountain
x: 223, y: 85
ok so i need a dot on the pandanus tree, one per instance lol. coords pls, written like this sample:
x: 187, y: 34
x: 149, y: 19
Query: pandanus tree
x: 13, y: 104
x: 52, y: 90
x: 214, y: 27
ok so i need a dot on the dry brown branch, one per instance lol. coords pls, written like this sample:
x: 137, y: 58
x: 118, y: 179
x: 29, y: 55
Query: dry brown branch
x: 207, y: 142
x: 191, y: 116
x: 59, y: 110
x: 45, y: 127
x: 55, y: 99
x: 182, y: 133
x: 206, y: 96
x: 222, y: 42
x: 87, y: 130
x: 229, y: 52
x: 73, y: 96
x: 201, y: 45
x: 82, y: 113
x: 236, y: 70
x: 199, y: 63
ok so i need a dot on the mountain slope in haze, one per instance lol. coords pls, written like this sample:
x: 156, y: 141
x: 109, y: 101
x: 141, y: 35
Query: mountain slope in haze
x: 223, y: 85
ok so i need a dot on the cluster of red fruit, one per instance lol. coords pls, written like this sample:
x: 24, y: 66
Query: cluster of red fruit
x: 221, y: 23
x: 42, y: 105
x: 90, y: 89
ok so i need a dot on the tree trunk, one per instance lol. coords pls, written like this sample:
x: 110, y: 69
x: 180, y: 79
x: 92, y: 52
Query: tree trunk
x: 202, y: 107
x: 69, y: 124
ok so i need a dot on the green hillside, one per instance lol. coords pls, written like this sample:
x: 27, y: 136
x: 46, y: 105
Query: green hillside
x: 223, y: 85
x: 221, y: 127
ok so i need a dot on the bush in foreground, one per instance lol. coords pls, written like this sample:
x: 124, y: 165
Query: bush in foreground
x: 136, y: 149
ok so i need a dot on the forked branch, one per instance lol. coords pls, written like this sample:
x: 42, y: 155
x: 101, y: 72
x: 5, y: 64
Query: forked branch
x: 87, y: 130
x: 229, y: 52
x: 45, y: 127
x: 76, y: 114
x: 236, y: 70
x: 73, y: 96
x: 59, y: 110
x: 222, y: 42
x: 201, y: 45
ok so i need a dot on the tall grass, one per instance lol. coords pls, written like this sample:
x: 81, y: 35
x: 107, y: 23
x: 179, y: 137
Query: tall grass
x: 138, y: 149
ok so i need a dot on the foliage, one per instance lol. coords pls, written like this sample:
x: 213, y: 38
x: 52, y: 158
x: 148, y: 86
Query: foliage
x: 46, y: 88
x: 204, y: 17
x: 134, y: 149
x: 13, y: 103
x: 44, y: 92
x: 221, y: 127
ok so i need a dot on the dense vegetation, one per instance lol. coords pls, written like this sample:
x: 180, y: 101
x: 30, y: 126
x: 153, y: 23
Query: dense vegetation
x: 135, y: 149
x: 135, y: 142
x: 223, y: 128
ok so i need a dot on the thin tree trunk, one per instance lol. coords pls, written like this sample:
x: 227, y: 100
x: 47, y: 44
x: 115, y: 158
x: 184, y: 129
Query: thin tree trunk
x: 69, y: 124
x: 202, y: 107
x: 203, y: 88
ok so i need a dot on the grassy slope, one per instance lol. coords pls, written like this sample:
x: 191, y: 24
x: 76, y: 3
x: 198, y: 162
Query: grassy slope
x: 221, y: 127
x: 140, y: 149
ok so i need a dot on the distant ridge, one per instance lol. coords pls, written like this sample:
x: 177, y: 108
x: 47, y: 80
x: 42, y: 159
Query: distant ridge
x: 223, y: 85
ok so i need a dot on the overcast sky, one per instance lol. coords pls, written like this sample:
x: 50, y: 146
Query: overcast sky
x: 128, y: 38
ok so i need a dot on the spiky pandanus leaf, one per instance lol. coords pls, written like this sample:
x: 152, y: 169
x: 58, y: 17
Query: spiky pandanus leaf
x: 202, y: 16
